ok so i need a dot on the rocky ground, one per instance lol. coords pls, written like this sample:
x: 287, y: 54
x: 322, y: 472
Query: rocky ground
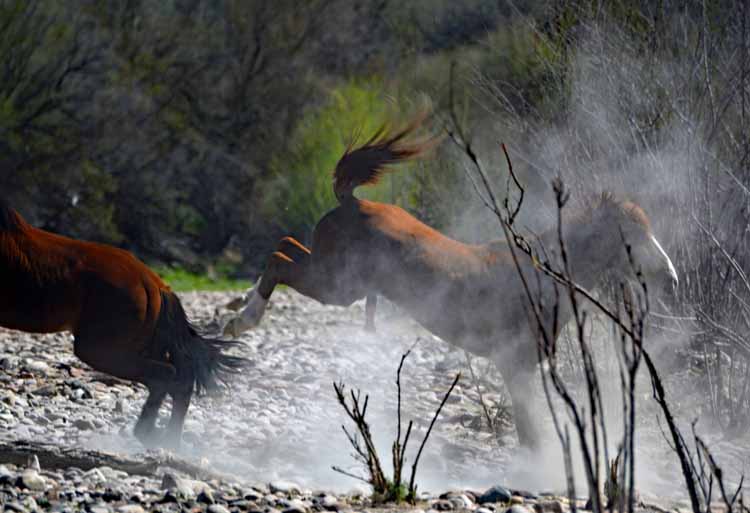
x: 274, y: 437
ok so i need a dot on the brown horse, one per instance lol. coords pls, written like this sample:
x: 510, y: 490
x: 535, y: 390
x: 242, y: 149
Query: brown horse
x: 469, y: 295
x: 125, y: 319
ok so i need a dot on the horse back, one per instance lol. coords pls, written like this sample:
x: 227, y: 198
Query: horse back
x: 54, y: 283
x: 368, y: 230
x: 452, y: 288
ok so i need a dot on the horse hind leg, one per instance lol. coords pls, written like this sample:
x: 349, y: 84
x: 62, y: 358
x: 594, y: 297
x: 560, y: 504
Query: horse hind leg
x: 294, y: 249
x: 145, y: 427
x: 289, y: 247
x: 181, y: 394
x: 122, y: 360
x: 371, y: 304
x: 519, y: 380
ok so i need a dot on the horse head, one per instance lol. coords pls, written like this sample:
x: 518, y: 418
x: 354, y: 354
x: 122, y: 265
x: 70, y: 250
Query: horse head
x: 634, y: 245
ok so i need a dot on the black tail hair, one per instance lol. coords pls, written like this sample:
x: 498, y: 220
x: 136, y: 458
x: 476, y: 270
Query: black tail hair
x: 195, y: 357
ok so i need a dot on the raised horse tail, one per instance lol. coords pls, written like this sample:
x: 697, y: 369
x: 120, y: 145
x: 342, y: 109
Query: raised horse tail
x: 367, y: 163
x: 196, y: 358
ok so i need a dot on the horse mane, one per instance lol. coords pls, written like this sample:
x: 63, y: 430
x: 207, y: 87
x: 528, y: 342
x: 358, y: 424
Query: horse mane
x: 15, y: 236
x: 9, y: 218
x: 367, y: 163
x: 606, y: 205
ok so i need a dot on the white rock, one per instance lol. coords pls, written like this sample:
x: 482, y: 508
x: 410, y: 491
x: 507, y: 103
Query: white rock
x: 130, y: 508
x: 36, y: 366
x: 95, y: 475
x: 32, y: 480
x: 284, y: 487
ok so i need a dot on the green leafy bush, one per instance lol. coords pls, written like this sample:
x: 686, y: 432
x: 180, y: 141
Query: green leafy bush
x: 181, y: 280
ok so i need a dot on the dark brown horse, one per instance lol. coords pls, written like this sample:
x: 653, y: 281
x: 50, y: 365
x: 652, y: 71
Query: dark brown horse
x: 469, y: 295
x: 125, y: 319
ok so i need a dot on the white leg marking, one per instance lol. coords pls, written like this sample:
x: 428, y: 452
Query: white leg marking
x: 250, y: 316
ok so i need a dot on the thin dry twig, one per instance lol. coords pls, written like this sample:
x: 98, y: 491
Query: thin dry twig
x: 412, y: 486
x: 490, y: 421
x: 366, y: 453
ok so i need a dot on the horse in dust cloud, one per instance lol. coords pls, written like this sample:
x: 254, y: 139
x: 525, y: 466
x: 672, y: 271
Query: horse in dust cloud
x: 469, y: 295
x: 125, y: 320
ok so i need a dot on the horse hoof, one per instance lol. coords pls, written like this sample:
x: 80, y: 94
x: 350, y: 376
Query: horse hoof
x: 158, y: 439
x: 249, y: 317
x: 171, y: 443
x: 149, y: 439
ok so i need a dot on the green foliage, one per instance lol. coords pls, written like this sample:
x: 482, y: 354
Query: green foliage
x: 206, y: 125
x: 181, y: 280
x: 300, y: 190
x: 394, y: 493
x: 91, y: 212
x: 397, y: 492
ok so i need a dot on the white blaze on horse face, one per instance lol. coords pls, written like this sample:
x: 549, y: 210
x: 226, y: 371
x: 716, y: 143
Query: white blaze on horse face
x: 670, y: 267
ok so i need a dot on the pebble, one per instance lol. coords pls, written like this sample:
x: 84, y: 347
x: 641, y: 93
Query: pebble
x: 32, y: 480
x: 554, y: 506
x: 6, y: 476
x: 330, y: 503
x: 205, y: 496
x: 252, y: 495
x: 278, y: 424
x: 131, y: 508
x: 84, y: 424
x: 95, y: 476
x: 494, y: 494
x: 442, y: 505
x: 516, y: 508
x: 182, y: 488
x: 284, y: 487
x: 460, y: 501
x: 36, y: 366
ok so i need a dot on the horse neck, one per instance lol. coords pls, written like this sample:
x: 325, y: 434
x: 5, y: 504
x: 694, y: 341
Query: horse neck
x: 590, y: 250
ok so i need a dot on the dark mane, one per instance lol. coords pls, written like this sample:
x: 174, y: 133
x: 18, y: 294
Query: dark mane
x: 607, y: 204
x: 9, y: 218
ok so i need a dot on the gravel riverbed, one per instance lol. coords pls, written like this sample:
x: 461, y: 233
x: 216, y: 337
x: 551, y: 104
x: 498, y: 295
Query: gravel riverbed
x: 276, y: 433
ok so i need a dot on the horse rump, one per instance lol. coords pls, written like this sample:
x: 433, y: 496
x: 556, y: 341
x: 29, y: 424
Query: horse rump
x: 197, y: 359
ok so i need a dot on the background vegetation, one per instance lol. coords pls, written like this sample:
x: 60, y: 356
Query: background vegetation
x: 196, y: 133
x: 183, y: 130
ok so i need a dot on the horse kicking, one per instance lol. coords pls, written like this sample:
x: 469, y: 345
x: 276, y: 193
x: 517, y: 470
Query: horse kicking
x: 124, y: 318
x: 469, y: 295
